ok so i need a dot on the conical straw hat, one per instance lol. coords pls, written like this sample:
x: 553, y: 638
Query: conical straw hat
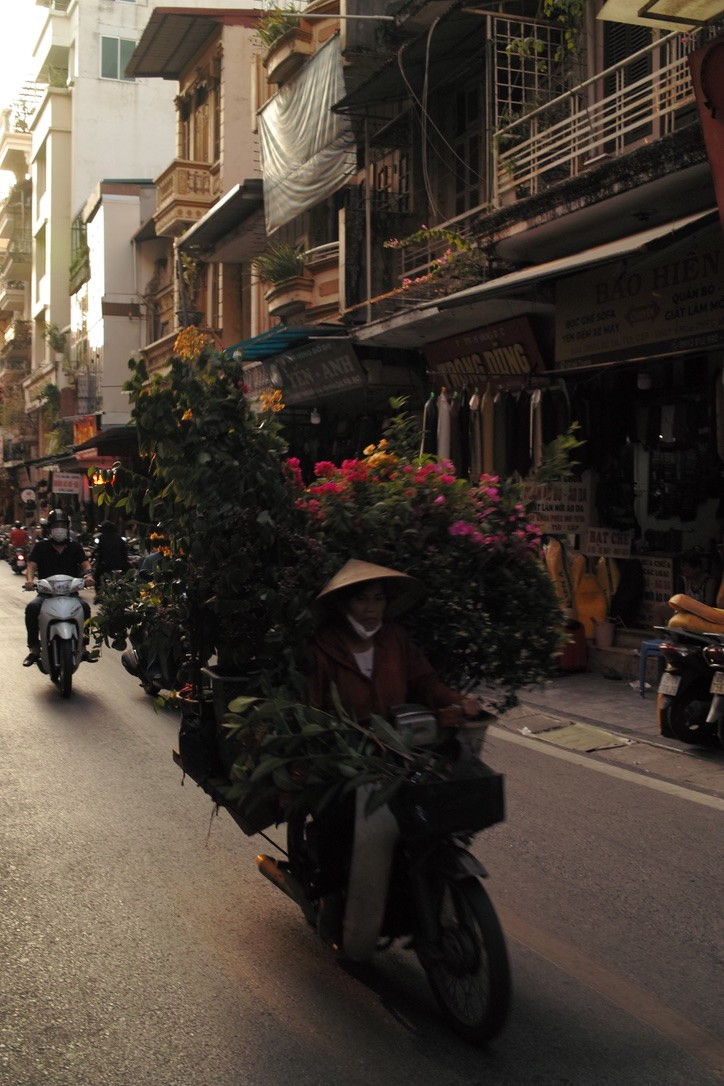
x: 404, y: 591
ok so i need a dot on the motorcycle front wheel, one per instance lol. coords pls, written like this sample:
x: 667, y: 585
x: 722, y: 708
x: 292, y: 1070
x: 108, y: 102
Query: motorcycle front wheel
x: 65, y: 668
x: 468, y: 970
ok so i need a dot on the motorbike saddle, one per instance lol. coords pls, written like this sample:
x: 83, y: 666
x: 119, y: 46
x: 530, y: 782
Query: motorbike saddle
x: 691, y: 614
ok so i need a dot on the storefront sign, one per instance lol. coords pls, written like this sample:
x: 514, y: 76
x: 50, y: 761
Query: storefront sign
x: 309, y: 374
x: 666, y: 302
x: 561, y: 508
x: 606, y: 543
x: 658, y: 587
x: 84, y: 429
x: 504, y: 353
x: 65, y: 482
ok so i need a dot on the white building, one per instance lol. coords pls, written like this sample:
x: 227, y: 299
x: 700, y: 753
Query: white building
x: 98, y: 139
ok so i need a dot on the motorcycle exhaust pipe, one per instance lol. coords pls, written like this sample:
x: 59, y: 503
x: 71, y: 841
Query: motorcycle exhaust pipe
x: 286, y: 882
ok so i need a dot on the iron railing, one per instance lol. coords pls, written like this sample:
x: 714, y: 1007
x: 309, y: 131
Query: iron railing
x: 607, y: 115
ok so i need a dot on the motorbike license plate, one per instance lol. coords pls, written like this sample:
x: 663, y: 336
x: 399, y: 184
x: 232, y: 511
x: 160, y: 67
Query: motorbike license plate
x: 717, y: 683
x: 669, y: 683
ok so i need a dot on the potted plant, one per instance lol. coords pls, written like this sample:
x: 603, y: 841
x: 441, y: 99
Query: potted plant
x: 287, y: 45
x: 55, y: 339
x: 283, y: 267
x: 277, y: 21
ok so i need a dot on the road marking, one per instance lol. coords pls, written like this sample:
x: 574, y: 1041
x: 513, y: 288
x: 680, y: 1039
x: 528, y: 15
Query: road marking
x: 657, y: 785
x: 632, y: 999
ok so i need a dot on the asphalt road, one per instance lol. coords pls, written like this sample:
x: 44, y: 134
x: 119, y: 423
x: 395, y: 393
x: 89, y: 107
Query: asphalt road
x: 139, y: 945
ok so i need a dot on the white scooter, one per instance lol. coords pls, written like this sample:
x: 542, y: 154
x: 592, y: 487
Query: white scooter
x: 61, y: 629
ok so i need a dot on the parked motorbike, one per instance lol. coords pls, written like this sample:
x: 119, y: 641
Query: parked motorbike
x: 140, y: 663
x: 412, y: 879
x: 714, y: 656
x: 61, y: 629
x: 684, y: 697
x: 18, y: 560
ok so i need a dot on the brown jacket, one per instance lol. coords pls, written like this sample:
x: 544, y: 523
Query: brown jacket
x: 400, y: 673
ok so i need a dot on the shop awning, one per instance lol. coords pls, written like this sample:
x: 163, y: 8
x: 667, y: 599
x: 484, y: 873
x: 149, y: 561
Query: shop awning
x: 514, y: 294
x: 233, y: 229
x: 280, y: 339
x: 173, y: 36
x: 663, y: 14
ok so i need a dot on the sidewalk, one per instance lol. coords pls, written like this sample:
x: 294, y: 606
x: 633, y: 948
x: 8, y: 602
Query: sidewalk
x: 589, y: 698
x: 609, y: 719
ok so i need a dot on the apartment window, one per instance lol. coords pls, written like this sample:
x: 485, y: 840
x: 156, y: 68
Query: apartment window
x: 115, y: 55
x: 467, y: 147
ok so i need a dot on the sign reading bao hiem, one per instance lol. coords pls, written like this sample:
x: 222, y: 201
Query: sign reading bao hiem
x: 666, y: 302
x: 505, y: 353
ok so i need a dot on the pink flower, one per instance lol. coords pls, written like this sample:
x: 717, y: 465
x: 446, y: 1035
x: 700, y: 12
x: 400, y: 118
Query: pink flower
x: 324, y: 468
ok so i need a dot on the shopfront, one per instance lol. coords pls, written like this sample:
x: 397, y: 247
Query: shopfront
x: 633, y: 355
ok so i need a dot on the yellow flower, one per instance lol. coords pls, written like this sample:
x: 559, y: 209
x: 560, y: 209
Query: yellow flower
x: 271, y: 400
x: 188, y: 414
x: 369, y: 450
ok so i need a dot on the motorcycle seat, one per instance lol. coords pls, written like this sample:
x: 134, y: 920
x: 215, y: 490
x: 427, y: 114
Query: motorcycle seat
x: 691, y: 614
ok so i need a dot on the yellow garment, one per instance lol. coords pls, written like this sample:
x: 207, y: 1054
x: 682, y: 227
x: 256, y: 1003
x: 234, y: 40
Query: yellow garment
x: 565, y: 569
x: 590, y: 603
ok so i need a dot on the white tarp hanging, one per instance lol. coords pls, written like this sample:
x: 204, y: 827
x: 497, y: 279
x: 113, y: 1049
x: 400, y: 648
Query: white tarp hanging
x: 307, y: 151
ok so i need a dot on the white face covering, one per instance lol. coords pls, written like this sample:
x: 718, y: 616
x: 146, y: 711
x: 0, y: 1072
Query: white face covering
x: 59, y: 535
x: 360, y: 630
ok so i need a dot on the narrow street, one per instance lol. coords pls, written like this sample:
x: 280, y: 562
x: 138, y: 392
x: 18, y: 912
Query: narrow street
x: 138, y: 943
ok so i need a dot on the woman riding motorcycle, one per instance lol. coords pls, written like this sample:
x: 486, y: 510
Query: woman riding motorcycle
x: 374, y: 665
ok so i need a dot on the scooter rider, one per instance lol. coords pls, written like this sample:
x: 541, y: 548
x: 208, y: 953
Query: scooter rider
x: 18, y: 535
x: 56, y: 554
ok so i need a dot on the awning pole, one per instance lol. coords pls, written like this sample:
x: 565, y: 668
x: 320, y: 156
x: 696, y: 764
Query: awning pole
x: 368, y: 225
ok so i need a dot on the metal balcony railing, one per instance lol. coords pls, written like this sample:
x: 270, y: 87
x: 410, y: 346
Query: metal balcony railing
x: 609, y: 114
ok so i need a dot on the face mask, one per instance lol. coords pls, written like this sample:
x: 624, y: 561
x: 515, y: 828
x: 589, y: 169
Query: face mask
x: 360, y: 630
x: 59, y: 535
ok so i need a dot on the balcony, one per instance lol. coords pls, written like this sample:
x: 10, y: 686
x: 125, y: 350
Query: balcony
x: 609, y: 115
x: 322, y: 263
x: 287, y: 55
x: 17, y: 263
x: 184, y: 193
x: 12, y: 295
x: 15, y: 347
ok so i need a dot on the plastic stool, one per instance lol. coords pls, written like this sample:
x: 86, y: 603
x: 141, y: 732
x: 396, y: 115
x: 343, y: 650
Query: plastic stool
x: 648, y: 648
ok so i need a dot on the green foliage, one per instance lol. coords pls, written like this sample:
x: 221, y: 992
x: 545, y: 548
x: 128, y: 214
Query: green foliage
x: 275, y: 21
x: 557, y: 465
x: 279, y: 262
x: 312, y: 758
x: 239, y: 565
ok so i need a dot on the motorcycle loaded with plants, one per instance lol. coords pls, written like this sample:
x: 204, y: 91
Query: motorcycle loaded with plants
x: 419, y: 794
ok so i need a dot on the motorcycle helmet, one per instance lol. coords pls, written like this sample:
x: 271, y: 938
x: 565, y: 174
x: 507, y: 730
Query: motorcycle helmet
x: 58, y: 526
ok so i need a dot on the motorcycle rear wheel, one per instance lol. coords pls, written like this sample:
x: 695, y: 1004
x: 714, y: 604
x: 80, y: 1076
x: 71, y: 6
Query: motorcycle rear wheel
x: 680, y: 720
x: 65, y: 668
x: 469, y: 972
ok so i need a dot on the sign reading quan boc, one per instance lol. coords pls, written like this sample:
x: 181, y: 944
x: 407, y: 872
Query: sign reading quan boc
x: 506, y: 354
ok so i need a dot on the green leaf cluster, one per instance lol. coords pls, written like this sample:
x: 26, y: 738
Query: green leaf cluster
x: 309, y: 759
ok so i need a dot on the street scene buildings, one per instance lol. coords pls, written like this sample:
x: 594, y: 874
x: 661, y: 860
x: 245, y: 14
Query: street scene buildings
x: 510, y: 219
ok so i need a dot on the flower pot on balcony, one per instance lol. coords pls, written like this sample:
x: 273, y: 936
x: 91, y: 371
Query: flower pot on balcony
x: 290, y: 296
x: 287, y: 54
x: 188, y: 317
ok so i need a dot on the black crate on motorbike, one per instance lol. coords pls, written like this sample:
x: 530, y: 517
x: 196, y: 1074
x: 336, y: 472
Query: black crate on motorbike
x: 460, y: 806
